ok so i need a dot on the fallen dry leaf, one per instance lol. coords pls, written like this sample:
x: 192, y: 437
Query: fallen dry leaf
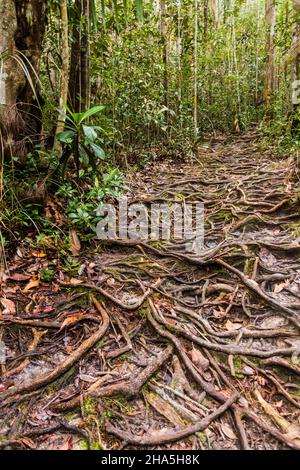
x: 232, y: 326
x: 260, y: 380
x: 248, y: 370
x: 3, y: 275
x: 5, y: 386
x: 110, y: 282
x: 28, y: 442
x: 31, y: 284
x: 9, y: 306
x: 226, y: 429
x: 72, y: 319
x: 74, y: 242
x: 75, y: 281
x: 279, y: 287
x: 198, y: 359
x: 37, y: 254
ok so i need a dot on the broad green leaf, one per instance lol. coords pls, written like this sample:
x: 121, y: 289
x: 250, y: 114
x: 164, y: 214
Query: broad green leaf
x: 89, y: 133
x: 90, y: 112
x: 83, y: 152
x: 66, y: 137
x: 98, y: 151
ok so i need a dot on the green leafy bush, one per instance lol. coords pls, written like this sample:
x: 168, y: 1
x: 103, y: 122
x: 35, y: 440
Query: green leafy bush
x: 81, y: 140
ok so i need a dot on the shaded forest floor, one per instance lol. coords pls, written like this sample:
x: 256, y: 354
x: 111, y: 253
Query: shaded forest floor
x: 149, y: 346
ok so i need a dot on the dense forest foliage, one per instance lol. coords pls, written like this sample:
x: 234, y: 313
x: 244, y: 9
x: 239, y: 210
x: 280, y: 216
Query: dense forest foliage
x: 152, y: 78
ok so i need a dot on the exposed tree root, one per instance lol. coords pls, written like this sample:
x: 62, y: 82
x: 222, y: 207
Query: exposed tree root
x: 171, y: 435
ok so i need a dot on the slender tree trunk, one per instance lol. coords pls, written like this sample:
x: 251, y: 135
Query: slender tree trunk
x: 179, y: 52
x: 163, y: 33
x: 205, y: 21
x: 74, y: 80
x: 64, y: 79
x: 79, y: 87
x: 295, y: 49
x: 257, y: 56
x: 85, y: 57
x: 238, y: 93
x: 213, y: 7
x: 196, y: 70
x: 270, y: 54
x: 225, y: 10
x: 287, y: 14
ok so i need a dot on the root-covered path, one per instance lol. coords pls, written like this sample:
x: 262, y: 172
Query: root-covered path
x: 147, y: 345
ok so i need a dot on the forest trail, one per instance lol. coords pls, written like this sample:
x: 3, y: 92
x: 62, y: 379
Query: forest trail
x: 148, y: 346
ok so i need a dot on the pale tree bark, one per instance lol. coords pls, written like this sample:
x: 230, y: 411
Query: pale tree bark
x: 295, y: 49
x: 213, y: 7
x: 22, y: 29
x: 257, y: 55
x: 64, y: 80
x: 8, y: 28
x: 236, y: 67
x: 196, y: 70
x: 270, y: 17
x: 179, y: 53
x: 205, y: 21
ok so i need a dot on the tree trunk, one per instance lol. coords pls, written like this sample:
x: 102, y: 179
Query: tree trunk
x: 64, y: 78
x: 179, y: 59
x: 79, y: 86
x: 270, y: 54
x: 196, y: 70
x: 295, y: 49
x: 74, y: 83
x: 8, y: 28
x: 163, y: 33
x: 213, y: 7
x: 205, y: 21
x: 22, y: 29
x: 85, y: 57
